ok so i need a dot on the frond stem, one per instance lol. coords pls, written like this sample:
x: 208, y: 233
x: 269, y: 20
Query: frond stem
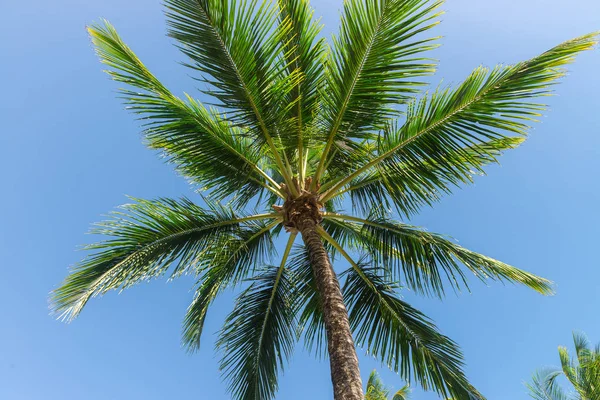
x: 343, y: 252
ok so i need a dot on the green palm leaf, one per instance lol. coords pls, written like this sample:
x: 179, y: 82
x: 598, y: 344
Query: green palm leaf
x: 485, y: 106
x: 544, y: 386
x: 581, y: 371
x: 374, y: 62
x: 399, y: 335
x: 235, y: 45
x: 376, y: 390
x: 229, y: 260
x: 408, y: 188
x: 147, y: 237
x: 422, y: 259
x: 304, y: 55
x: 259, y: 334
x: 402, y: 394
x: 402, y: 337
x: 204, y: 147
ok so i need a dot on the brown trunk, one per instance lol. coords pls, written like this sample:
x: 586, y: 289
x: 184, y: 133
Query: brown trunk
x: 345, y: 374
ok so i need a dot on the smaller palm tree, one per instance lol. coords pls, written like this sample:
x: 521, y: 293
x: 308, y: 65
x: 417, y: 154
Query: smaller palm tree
x: 582, y: 371
x: 376, y: 390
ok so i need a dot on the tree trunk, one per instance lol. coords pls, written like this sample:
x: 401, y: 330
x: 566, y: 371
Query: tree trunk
x: 345, y: 374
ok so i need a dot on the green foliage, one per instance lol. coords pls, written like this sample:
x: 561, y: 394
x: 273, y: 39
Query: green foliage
x: 401, y: 336
x: 221, y: 264
x: 581, y: 371
x: 422, y: 259
x: 204, y: 146
x: 259, y: 335
x: 351, y: 116
x: 372, y: 68
x: 234, y: 45
x: 147, y: 237
x: 407, y: 188
x: 311, y: 323
x: 489, y: 104
x: 376, y: 390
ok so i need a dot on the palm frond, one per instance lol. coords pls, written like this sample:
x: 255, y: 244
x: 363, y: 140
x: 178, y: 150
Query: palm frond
x: 407, y: 189
x: 402, y: 337
x: 203, y: 146
x: 376, y: 390
x: 402, y: 394
x: 304, y: 54
x: 344, y: 232
x: 374, y: 62
x: 310, y: 321
x: 422, y: 259
x: 487, y: 105
x: 587, y: 370
x: 544, y: 386
x: 582, y: 346
x: 568, y: 365
x: 236, y: 46
x: 581, y: 371
x: 399, y: 335
x: 229, y: 260
x: 146, y: 238
x: 259, y: 334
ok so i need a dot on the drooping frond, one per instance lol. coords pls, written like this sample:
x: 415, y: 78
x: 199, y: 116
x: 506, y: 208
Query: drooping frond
x: 422, y: 260
x: 545, y: 387
x: 582, y: 347
x: 236, y: 46
x: 374, y: 63
x: 311, y: 323
x: 204, y: 147
x: 399, y: 335
x: 344, y: 232
x: 146, y: 238
x: 229, y: 260
x: 259, y: 334
x: 489, y: 104
x: 568, y: 365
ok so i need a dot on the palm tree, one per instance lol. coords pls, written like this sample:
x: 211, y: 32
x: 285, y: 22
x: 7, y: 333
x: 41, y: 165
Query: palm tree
x: 582, y: 371
x: 298, y: 126
x: 376, y: 390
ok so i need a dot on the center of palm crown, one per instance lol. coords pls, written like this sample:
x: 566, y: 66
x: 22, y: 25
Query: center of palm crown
x: 305, y: 207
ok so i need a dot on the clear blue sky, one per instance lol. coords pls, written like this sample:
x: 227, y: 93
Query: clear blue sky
x: 71, y: 153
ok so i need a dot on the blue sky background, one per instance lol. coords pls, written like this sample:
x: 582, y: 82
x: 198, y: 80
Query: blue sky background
x: 71, y: 153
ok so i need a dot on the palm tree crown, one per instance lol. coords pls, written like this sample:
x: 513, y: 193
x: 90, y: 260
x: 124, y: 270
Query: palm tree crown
x: 299, y: 128
x: 581, y: 371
